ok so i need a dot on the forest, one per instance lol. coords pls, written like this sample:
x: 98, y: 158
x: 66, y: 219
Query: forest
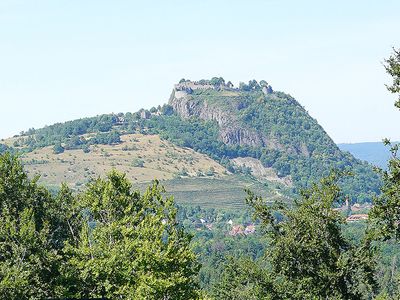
x: 111, y: 240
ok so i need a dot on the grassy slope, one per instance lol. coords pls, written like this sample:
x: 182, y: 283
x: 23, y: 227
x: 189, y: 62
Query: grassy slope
x: 162, y: 160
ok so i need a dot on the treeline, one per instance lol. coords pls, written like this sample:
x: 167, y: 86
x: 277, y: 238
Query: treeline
x: 110, y: 240
x: 217, y: 250
x: 77, y: 134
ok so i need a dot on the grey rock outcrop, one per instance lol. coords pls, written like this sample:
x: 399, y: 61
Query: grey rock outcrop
x: 231, y: 131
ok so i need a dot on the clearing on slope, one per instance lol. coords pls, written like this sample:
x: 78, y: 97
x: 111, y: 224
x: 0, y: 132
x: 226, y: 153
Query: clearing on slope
x: 142, y: 157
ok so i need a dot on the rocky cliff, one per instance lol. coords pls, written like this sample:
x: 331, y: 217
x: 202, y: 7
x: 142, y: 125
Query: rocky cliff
x: 232, y: 130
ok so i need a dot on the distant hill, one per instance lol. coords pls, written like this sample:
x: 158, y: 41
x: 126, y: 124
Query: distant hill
x: 210, y: 131
x: 373, y: 152
x: 255, y: 122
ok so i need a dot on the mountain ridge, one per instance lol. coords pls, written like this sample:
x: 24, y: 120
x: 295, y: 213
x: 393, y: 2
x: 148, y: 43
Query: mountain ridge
x: 375, y: 153
x: 228, y: 124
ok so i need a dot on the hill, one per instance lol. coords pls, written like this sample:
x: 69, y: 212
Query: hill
x: 193, y: 178
x: 375, y: 153
x: 242, y: 136
x: 255, y: 122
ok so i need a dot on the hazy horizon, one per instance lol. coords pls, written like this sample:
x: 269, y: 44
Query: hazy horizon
x: 67, y: 59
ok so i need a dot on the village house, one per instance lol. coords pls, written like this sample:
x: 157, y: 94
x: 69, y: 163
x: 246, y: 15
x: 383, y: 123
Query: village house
x: 250, y: 229
x: 209, y: 226
x: 236, y: 230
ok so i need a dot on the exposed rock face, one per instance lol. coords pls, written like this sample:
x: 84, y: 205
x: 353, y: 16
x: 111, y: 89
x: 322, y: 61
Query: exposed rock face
x: 180, y: 94
x: 261, y: 172
x: 231, y: 132
x: 241, y: 136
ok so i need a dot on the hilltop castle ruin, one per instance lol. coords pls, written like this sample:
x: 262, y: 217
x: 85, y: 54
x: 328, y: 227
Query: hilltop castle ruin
x: 185, y: 87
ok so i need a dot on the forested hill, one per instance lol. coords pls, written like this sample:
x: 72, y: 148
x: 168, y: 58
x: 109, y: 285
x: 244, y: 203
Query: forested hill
x: 271, y: 127
x: 249, y: 129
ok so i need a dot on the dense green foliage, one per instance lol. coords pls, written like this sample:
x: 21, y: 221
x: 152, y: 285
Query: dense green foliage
x: 386, y: 212
x: 212, y: 242
x: 385, y: 215
x: 308, y: 254
x: 238, y: 262
x: 301, y: 148
x: 108, y: 240
x: 33, y: 228
x: 244, y: 278
x: 69, y: 245
x: 392, y: 67
x: 4, y: 148
x: 69, y: 134
x: 129, y: 245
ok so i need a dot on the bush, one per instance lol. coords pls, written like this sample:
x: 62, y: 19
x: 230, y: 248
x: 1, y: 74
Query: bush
x: 210, y: 171
x: 58, y: 148
x: 138, y: 163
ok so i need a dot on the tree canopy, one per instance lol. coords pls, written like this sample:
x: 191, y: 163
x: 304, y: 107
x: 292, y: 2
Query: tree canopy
x: 392, y: 67
x: 308, y: 257
x: 386, y: 212
x: 107, y: 240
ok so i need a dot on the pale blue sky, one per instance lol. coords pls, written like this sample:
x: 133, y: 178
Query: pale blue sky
x: 62, y: 60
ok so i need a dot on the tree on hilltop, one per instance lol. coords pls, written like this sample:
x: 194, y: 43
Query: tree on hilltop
x: 263, y: 83
x: 217, y: 81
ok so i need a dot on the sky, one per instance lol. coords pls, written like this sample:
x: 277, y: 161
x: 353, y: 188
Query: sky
x: 66, y: 59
